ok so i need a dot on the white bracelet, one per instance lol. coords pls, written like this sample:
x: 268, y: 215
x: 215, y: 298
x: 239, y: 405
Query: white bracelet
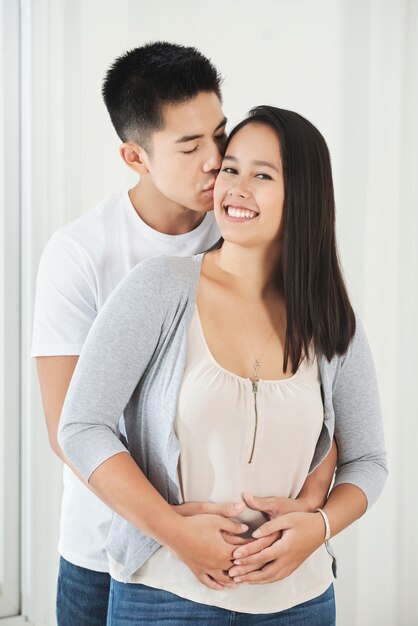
x: 326, y: 522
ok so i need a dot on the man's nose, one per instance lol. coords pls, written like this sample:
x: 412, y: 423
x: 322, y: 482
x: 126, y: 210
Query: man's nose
x: 213, y: 159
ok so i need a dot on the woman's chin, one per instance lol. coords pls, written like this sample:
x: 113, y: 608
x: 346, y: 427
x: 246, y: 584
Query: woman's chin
x: 236, y: 238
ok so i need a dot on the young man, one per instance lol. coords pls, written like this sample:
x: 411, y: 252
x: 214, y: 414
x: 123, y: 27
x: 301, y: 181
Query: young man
x: 164, y: 101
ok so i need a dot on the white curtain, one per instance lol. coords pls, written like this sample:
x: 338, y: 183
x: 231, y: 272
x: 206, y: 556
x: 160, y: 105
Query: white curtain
x: 351, y: 66
x: 379, y: 228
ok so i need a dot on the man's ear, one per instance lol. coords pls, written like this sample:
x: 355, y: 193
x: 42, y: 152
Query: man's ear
x: 135, y: 157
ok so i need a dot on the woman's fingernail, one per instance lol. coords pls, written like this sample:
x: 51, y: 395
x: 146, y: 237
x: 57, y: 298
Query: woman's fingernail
x: 238, y: 553
x: 238, y: 507
x: 237, y: 562
x: 244, y: 526
x: 238, y: 580
x: 257, y: 533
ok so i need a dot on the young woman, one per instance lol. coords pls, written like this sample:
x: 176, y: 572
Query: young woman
x: 234, y: 369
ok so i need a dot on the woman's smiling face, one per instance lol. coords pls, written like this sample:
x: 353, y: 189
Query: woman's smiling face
x: 249, y: 190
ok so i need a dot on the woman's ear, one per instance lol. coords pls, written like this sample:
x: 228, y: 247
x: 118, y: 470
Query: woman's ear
x: 135, y: 157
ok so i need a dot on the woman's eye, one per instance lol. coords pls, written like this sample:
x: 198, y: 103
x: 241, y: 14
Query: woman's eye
x: 262, y: 176
x: 189, y: 151
x: 229, y: 170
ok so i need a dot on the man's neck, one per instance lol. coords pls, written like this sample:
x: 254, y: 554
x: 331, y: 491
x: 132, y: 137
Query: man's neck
x: 162, y: 214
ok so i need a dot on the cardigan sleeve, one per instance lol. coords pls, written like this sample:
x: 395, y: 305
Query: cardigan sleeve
x: 358, y: 421
x: 117, y: 351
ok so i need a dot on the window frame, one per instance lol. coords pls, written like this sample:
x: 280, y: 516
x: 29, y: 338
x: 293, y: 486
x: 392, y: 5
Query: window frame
x: 10, y: 315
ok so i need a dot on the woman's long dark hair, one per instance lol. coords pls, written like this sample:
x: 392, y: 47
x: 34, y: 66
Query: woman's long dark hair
x: 317, y: 302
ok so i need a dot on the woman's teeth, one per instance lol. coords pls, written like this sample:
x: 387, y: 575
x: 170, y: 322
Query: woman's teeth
x: 246, y: 213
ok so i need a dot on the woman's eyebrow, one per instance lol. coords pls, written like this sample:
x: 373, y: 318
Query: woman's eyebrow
x: 266, y: 164
x: 229, y: 157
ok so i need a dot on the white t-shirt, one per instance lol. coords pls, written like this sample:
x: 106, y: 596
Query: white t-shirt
x: 81, y: 265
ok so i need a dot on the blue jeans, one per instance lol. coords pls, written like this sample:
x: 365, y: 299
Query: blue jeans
x: 82, y: 596
x: 138, y: 605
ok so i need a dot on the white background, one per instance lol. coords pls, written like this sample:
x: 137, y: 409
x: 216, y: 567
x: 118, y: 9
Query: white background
x: 351, y: 67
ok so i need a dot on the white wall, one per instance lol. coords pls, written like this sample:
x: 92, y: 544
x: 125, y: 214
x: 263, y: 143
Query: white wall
x: 351, y: 68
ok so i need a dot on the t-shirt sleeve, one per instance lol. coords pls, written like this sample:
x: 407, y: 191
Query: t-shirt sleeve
x: 65, y: 300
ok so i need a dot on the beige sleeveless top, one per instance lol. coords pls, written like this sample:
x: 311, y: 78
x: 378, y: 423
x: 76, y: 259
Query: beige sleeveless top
x: 236, y: 437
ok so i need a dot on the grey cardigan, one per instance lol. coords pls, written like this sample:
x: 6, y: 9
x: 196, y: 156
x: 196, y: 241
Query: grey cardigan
x: 133, y: 362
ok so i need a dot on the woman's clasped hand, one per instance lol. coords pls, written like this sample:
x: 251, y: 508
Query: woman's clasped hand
x: 273, y: 552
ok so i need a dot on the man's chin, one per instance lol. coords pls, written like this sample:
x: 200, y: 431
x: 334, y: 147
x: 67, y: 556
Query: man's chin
x: 196, y: 204
x: 202, y: 208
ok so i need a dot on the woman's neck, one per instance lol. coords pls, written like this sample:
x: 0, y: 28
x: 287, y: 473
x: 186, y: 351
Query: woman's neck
x: 251, y: 271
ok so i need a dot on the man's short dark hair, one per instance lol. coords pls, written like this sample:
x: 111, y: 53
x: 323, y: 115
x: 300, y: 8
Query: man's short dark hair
x: 141, y: 81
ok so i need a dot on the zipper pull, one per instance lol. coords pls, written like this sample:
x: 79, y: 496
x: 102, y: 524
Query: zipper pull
x: 255, y: 390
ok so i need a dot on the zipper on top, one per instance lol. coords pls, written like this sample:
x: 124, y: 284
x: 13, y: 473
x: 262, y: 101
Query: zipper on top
x: 255, y: 391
